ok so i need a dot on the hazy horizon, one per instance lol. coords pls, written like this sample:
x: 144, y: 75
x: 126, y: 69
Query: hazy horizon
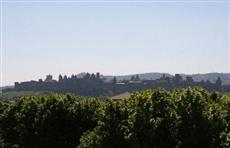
x: 55, y: 77
x: 113, y: 38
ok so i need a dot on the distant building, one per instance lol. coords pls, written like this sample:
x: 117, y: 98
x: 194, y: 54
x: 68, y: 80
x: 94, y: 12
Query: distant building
x: 178, y: 78
x: 189, y: 79
x: 135, y: 82
x: 49, y: 78
x: 93, y: 85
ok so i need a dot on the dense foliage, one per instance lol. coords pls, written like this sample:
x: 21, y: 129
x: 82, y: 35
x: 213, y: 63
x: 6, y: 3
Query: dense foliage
x: 183, y: 118
x: 52, y: 121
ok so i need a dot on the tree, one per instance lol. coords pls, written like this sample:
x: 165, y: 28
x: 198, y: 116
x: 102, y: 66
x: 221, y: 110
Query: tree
x: 160, y: 119
x: 98, y: 75
x: 114, y: 80
x: 182, y: 118
x: 52, y: 121
x: 137, y: 78
x: 87, y: 76
x: 65, y: 78
x: 219, y: 84
x: 93, y: 77
x: 60, y: 79
x: 132, y: 78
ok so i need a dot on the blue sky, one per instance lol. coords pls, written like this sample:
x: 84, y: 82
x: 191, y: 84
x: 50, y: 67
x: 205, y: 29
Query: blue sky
x: 113, y: 38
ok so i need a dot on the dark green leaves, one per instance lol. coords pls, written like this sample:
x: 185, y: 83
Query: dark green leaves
x: 182, y: 118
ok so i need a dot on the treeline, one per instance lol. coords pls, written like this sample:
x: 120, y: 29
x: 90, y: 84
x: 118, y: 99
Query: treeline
x: 182, y: 118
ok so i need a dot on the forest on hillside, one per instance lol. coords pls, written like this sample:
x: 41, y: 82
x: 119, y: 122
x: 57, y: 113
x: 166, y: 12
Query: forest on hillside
x: 180, y: 118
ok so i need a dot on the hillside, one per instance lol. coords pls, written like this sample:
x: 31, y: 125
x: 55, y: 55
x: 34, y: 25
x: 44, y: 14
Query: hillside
x: 225, y: 77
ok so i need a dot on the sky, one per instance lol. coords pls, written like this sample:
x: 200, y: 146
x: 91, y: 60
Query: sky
x: 113, y: 38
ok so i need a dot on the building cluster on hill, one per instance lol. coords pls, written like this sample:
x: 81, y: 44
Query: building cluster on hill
x: 95, y: 85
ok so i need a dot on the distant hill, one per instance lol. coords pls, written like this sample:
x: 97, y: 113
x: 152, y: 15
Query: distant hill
x: 144, y: 76
x: 5, y: 87
x: 81, y: 75
x: 92, y: 86
x: 225, y: 77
